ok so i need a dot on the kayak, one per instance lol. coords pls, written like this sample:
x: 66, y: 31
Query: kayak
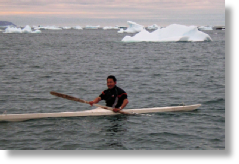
x: 94, y: 112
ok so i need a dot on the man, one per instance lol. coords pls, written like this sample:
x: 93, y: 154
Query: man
x: 114, y: 96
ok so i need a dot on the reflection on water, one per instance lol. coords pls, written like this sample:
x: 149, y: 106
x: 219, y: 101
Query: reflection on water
x: 115, y: 132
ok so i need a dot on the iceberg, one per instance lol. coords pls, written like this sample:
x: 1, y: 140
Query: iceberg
x: 36, y: 31
x: 121, y: 31
x: 92, y: 27
x: 77, y: 28
x: 171, y: 33
x: 110, y: 28
x: 47, y: 28
x: 133, y: 27
x: 66, y: 28
x: 13, y: 30
x: 51, y: 28
x: 26, y: 29
x: 153, y: 27
x: 205, y: 28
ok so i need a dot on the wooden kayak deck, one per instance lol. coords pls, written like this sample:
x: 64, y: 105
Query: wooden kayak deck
x: 94, y: 112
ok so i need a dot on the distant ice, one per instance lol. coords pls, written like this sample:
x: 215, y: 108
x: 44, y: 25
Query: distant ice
x: 13, y: 30
x: 36, y: 31
x: 171, y: 33
x: 77, y: 28
x: 153, y: 27
x: 66, y: 28
x: 92, y: 27
x: 47, y: 28
x: 133, y: 28
x: 110, y: 28
x: 121, y: 31
x: 205, y: 28
x: 26, y: 29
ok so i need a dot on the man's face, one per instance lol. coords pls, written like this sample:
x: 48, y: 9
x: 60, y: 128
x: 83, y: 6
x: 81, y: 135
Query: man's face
x: 110, y: 83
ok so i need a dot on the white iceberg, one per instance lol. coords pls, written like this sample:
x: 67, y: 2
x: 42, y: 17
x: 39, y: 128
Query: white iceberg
x: 26, y: 29
x: 66, y: 28
x: 53, y: 28
x: 47, y: 28
x: 121, y: 31
x: 13, y: 30
x: 110, y: 28
x: 36, y: 31
x: 77, y: 28
x: 92, y: 27
x: 133, y: 27
x: 153, y: 27
x: 205, y: 28
x: 172, y: 33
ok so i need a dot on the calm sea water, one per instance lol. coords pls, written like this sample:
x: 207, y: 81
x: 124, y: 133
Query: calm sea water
x: 77, y: 62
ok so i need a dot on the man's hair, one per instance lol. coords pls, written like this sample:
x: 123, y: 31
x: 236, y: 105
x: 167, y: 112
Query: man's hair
x: 112, y: 77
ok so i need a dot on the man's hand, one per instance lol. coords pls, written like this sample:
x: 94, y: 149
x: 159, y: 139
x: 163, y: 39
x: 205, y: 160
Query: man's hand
x: 95, y: 101
x: 91, y: 103
x: 116, y: 110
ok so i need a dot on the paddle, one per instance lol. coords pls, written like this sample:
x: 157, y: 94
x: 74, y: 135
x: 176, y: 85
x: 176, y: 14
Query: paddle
x: 83, y: 101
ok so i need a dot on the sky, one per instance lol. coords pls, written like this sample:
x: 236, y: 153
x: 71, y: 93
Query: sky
x: 111, y: 12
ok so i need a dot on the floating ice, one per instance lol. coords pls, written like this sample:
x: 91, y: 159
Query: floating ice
x: 153, y: 27
x: 26, y: 29
x: 77, y: 28
x: 133, y: 28
x: 53, y: 28
x: 92, y: 27
x: 47, y: 28
x: 110, y: 28
x: 172, y: 33
x: 205, y: 28
x: 66, y: 28
x: 13, y: 30
x: 36, y: 31
x: 121, y: 30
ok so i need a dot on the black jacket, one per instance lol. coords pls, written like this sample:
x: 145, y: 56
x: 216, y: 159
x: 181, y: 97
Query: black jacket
x: 110, y: 96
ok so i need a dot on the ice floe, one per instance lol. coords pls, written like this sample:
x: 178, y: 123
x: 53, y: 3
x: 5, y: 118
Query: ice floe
x: 26, y: 29
x: 92, y: 27
x: 47, y: 28
x: 133, y: 28
x: 13, y: 30
x: 153, y: 27
x: 77, y: 28
x: 110, y: 28
x: 121, y: 30
x: 205, y: 28
x: 171, y: 33
x: 66, y: 28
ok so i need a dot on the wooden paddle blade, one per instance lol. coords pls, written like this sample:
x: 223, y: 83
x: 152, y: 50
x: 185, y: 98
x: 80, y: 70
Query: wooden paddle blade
x: 68, y: 97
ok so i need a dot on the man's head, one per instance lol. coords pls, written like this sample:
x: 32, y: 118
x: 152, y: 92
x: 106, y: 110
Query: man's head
x: 111, y: 81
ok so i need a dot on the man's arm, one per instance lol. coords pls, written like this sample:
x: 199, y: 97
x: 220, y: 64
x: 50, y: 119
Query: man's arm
x: 125, y: 102
x: 95, y: 101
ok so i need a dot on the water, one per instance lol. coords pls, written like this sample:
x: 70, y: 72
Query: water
x: 77, y: 62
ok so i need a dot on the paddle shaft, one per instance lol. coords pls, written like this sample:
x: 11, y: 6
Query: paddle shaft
x: 83, y: 101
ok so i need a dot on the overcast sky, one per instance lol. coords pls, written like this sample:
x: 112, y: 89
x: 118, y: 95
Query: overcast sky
x: 167, y: 11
